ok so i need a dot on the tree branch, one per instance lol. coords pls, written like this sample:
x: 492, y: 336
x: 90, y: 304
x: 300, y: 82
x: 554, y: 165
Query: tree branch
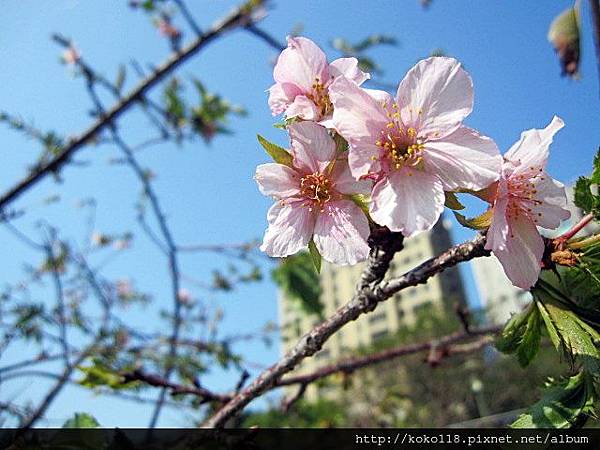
x: 239, y: 17
x: 371, y: 290
x: 445, y: 343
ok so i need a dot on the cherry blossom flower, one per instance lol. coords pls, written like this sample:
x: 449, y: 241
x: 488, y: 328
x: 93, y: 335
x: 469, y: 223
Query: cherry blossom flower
x: 302, y: 79
x: 526, y: 197
x: 167, y: 29
x: 414, y: 146
x: 71, y: 55
x: 313, y: 200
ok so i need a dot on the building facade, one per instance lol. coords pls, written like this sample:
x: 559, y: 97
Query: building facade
x: 337, y: 286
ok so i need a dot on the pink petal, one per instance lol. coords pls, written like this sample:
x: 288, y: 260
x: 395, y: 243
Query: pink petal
x: 301, y: 63
x: 435, y: 96
x: 464, y: 159
x: 303, y: 108
x: 498, y: 231
x: 348, y: 67
x: 364, y: 159
x: 312, y: 147
x: 290, y: 229
x: 357, y: 116
x: 341, y: 233
x: 523, y: 253
x: 381, y: 97
x: 281, y: 96
x: 277, y: 180
x: 345, y: 183
x: 552, y: 211
x: 408, y: 201
x: 532, y: 149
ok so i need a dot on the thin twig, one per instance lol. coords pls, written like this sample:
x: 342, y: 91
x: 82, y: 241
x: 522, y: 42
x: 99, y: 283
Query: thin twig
x: 187, y: 15
x: 260, y: 33
x: 239, y: 17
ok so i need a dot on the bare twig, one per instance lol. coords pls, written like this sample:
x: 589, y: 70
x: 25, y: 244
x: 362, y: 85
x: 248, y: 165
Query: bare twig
x: 260, y: 33
x: 174, y: 388
x: 239, y: 17
x: 187, y: 15
x: 445, y: 343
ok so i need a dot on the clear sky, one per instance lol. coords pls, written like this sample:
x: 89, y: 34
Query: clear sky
x: 208, y: 192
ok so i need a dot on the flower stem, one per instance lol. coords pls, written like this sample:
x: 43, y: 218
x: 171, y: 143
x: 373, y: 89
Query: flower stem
x: 585, y: 220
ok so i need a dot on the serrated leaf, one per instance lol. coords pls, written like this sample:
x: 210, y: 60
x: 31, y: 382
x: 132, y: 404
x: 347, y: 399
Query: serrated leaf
x: 452, y: 201
x: 315, y: 255
x: 563, y: 405
x: 522, y: 335
x: 279, y: 154
x: 81, y: 420
x: 530, y: 342
x: 572, y: 336
x: 564, y: 34
x: 511, y: 335
x: 480, y: 222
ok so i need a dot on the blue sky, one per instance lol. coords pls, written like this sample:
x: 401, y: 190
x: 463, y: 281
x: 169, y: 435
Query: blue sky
x: 208, y: 192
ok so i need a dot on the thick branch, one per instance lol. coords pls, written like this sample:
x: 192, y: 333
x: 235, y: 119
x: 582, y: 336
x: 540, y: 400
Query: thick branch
x: 237, y: 18
x: 371, y: 290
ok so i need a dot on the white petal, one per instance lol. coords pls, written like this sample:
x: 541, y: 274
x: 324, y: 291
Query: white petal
x: 341, y: 233
x: 312, y: 147
x: 532, y: 149
x: 348, y: 67
x: 290, y: 229
x: 409, y: 201
x: 521, y: 258
x: 277, y: 180
x: 464, y: 159
x: 435, y: 96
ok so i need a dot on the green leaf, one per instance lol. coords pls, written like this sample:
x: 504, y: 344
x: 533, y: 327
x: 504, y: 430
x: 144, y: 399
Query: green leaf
x: 81, y: 420
x: 563, y: 405
x: 564, y: 35
x: 530, y: 342
x: 362, y: 201
x: 279, y: 154
x: 299, y: 282
x: 341, y: 145
x: 99, y: 375
x: 571, y: 335
x: 315, y: 255
x: 480, y: 222
x: 452, y: 202
x: 522, y: 335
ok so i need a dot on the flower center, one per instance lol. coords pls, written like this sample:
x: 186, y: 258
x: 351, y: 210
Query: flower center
x: 320, y: 97
x: 316, y: 187
x: 399, y: 143
x: 522, y: 190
